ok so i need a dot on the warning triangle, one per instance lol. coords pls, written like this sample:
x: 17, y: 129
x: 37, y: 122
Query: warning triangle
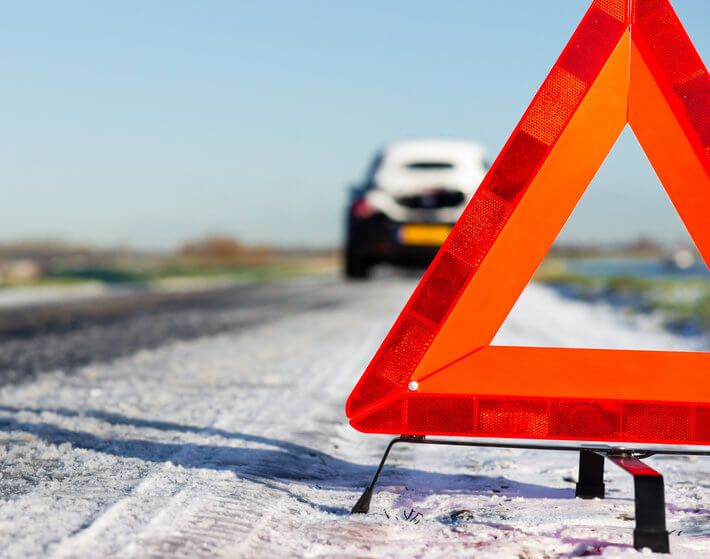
x: 628, y: 62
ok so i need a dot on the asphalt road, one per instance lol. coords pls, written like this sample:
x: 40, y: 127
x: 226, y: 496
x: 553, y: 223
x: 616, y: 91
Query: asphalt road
x: 66, y: 336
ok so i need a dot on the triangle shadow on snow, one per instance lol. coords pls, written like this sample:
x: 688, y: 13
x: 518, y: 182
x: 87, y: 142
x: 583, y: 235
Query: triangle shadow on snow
x: 271, y: 462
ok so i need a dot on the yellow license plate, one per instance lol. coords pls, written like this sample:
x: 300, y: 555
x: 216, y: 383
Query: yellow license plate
x: 423, y: 235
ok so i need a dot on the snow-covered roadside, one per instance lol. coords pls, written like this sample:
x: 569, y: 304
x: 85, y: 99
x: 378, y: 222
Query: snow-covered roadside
x: 236, y: 445
x: 12, y: 297
x: 35, y: 295
x: 545, y: 318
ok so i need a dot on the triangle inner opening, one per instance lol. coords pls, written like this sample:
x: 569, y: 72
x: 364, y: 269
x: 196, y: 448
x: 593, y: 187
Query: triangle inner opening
x: 623, y: 273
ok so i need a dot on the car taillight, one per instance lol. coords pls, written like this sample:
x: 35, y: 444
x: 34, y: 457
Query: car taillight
x: 362, y: 208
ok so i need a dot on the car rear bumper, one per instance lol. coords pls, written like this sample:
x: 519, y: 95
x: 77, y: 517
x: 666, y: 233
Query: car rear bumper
x: 380, y: 239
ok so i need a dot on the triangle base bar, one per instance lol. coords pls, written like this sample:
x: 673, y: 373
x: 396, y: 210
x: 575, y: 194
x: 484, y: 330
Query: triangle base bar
x: 649, y: 489
x: 627, y: 422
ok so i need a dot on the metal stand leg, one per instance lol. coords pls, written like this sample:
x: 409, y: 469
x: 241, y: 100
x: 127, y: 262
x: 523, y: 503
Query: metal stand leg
x: 648, y: 483
x: 650, y: 504
x: 590, y: 484
x: 363, y: 503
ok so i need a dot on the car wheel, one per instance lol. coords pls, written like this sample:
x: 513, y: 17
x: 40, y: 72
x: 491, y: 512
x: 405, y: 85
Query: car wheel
x: 356, y: 265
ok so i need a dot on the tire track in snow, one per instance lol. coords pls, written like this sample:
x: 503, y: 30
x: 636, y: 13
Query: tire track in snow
x: 232, y: 519
x: 241, y: 525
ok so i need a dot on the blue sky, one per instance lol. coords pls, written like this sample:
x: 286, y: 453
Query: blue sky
x: 150, y: 122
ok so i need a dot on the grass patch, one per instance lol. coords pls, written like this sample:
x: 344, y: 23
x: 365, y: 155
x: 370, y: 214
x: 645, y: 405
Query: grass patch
x: 176, y: 270
x: 684, y: 302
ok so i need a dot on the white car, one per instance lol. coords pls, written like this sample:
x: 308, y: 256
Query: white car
x: 413, y: 194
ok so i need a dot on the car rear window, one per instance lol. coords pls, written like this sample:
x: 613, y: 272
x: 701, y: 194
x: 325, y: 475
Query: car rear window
x: 428, y: 165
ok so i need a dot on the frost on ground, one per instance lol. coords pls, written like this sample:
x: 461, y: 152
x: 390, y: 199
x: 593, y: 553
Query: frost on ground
x: 237, y: 445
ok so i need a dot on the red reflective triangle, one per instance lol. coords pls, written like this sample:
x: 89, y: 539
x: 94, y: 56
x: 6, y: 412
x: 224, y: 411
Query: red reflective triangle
x: 627, y: 62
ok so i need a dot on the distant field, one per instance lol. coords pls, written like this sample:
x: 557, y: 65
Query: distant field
x: 118, y: 274
x: 682, y: 299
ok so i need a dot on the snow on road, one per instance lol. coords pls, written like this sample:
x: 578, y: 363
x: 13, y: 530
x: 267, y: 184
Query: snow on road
x: 236, y: 445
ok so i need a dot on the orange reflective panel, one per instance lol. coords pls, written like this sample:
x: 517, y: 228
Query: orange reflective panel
x: 627, y: 62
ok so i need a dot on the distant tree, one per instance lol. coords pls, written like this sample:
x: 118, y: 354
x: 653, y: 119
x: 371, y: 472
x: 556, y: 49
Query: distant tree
x: 646, y: 245
x: 223, y: 250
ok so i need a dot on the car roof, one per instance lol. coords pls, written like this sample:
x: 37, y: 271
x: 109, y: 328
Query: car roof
x: 434, y: 148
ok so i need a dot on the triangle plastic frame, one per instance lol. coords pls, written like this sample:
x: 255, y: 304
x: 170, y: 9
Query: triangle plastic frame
x: 628, y: 62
